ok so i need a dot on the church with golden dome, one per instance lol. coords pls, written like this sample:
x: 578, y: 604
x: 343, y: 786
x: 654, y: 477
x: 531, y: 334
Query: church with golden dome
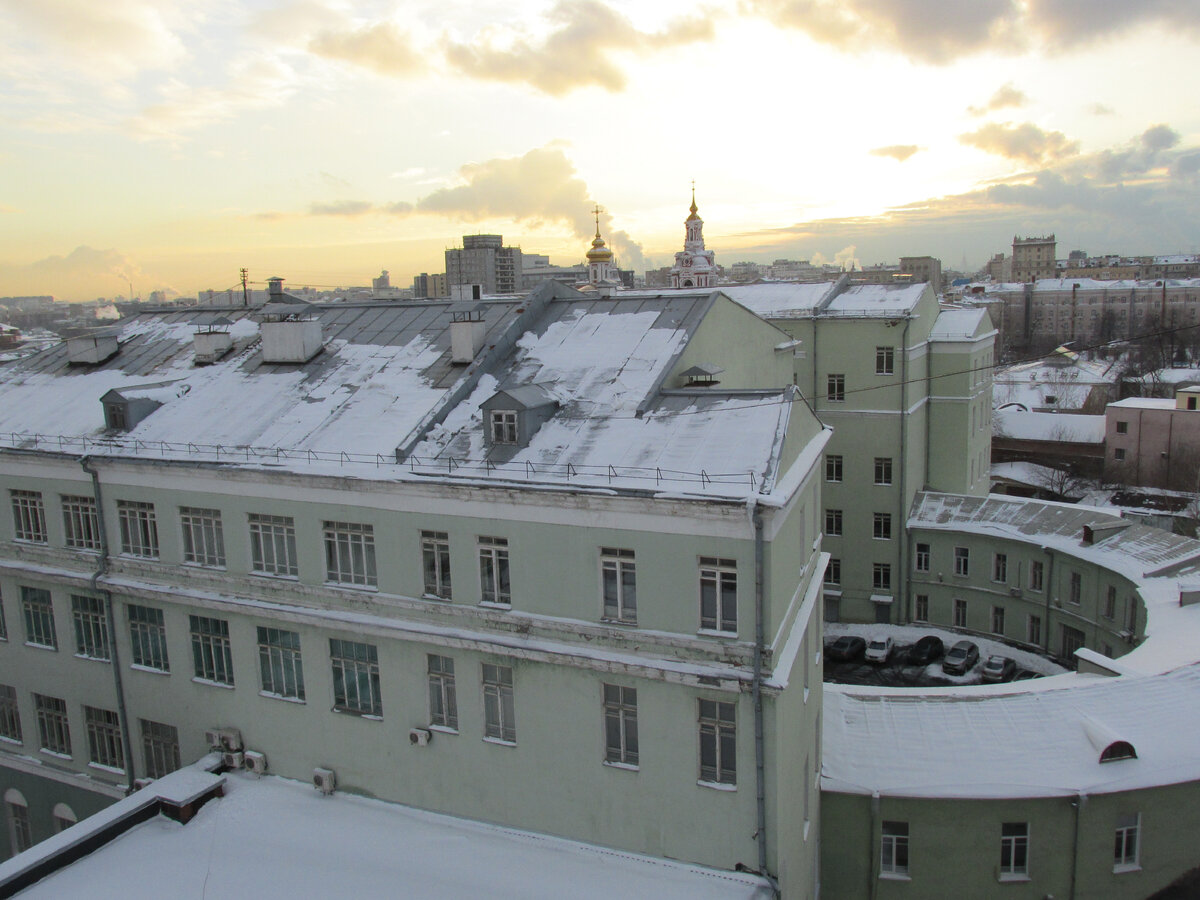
x: 694, y: 266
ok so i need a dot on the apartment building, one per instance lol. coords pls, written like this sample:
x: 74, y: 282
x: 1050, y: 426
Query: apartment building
x: 1033, y: 258
x: 484, y: 260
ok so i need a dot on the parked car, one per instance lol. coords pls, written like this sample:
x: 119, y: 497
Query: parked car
x: 847, y: 647
x: 926, y: 650
x: 879, y: 650
x: 961, y: 658
x: 999, y: 668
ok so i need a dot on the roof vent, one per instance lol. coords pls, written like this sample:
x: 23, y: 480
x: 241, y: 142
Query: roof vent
x: 467, y: 330
x: 1112, y: 747
x: 512, y: 416
x: 1099, y: 531
x: 125, y: 407
x: 290, y: 333
x: 91, y: 349
x: 212, y: 341
x: 701, y: 375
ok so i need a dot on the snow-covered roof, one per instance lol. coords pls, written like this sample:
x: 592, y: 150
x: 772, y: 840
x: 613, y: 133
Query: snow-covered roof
x: 1025, y: 473
x: 271, y: 837
x: 1058, y: 427
x: 780, y: 300
x: 1145, y: 403
x: 958, y: 324
x: 876, y: 299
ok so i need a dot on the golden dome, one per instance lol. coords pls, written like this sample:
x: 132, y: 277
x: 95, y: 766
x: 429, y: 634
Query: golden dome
x: 599, y: 253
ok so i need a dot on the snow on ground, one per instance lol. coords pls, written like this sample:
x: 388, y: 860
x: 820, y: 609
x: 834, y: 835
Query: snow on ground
x: 906, y: 635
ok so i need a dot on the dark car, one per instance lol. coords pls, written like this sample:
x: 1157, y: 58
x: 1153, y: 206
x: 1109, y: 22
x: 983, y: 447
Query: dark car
x: 961, y: 658
x: 999, y: 668
x: 926, y: 650
x: 847, y: 647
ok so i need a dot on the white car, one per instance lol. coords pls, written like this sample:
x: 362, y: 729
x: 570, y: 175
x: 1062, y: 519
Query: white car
x: 878, y: 650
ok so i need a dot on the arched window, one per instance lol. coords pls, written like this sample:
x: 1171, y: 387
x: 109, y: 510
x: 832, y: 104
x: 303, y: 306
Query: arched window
x: 20, y: 835
x: 1118, y: 750
x: 64, y: 817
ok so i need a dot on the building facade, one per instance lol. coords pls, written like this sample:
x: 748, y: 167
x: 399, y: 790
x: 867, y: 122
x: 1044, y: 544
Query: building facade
x: 483, y: 259
x: 1154, y: 442
x: 1033, y: 258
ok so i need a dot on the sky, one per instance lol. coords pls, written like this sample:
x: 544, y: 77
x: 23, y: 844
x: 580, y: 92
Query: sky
x: 158, y: 145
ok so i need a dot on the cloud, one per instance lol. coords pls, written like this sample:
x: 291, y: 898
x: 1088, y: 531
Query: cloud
x: 1100, y: 109
x: 84, y: 273
x: 1186, y: 166
x: 381, y: 47
x: 1138, y: 156
x: 898, y: 152
x: 1004, y: 98
x: 846, y: 258
x: 341, y: 208
x: 577, y: 53
x: 1026, y: 142
x: 935, y: 31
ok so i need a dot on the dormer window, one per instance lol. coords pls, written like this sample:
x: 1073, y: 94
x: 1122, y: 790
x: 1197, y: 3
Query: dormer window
x: 504, y: 426
x: 702, y: 375
x: 114, y: 415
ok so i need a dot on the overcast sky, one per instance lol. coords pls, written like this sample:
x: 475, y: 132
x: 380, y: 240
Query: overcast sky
x: 167, y: 143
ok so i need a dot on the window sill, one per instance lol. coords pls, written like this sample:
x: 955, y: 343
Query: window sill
x: 210, y: 683
x: 199, y: 565
x: 1125, y: 869
x: 628, y: 767
x: 438, y: 597
x: 277, y: 575
x: 713, y: 632
x: 357, y: 713
x: 55, y: 753
x: 100, y: 659
x: 41, y: 646
x: 352, y: 587
x: 125, y: 554
x: 1013, y: 878
x: 153, y: 671
x: 35, y: 543
x: 493, y: 604
x: 4, y: 739
x: 283, y: 697
x: 442, y: 729
x: 108, y: 770
x: 499, y: 742
x: 717, y: 786
x: 894, y: 876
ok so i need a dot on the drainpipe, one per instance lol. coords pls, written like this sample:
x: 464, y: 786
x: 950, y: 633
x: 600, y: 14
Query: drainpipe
x: 111, y: 619
x: 873, y: 860
x: 760, y: 769
x: 1078, y: 802
x: 904, y: 615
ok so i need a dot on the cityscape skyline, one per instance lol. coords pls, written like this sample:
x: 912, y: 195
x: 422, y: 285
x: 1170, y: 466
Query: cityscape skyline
x: 161, y: 147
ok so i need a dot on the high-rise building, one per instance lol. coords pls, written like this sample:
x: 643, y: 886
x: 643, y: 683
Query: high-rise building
x: 1033, y: 258
x: 484, y: 260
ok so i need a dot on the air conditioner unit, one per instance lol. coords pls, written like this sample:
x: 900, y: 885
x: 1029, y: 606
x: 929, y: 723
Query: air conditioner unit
x: 231, y: 739
x: 233, y: 759
x: 255, y: 762
x: 324, y: 780
x: 212, y: 737
x: 139, y: 783
x: 1014, y: 592
x: 1126, y: 635
x: 419, y: 736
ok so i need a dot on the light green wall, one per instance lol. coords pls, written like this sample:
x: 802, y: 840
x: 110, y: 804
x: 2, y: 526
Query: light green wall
x: 741, y: 343
x: 41, y: 796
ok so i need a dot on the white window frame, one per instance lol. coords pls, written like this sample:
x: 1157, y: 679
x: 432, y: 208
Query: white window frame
x: 105, y: 747
x: 833, y: 523
x: 833, y: 468
x: 29, y: 516
x: 833, y: 571
x: 81, y: 523
x: 921, y: 560
x: 503, y: 426
x: 435, y: 564
x: 91, y: 628
x: 882, y: 526
x: 54, y: 727
x: 273, y: 545
x: 1037, y: 575
x: 997, y: 620
x: 212, y: 653
x: 959, y: 611
x: 618, y: 585
x: 495, y: 577
x: 1033, y: 629
x: 835, y: 388
x: 356, y: 687
x: 885, y: 360
x: 1075, y: 588
x: 718, y: 743
x: 139, y: 529
x: 881, y: 576
x: 1000, y: 568
x: 893, y: 848
x: 1127, y: 843
x: 37, y: 606
x: 160, y: 748
x: 1014, y: 851
x: 443, y: 693
x: 20, y: 832
x: 620, y: 725
x: 499, y: 704
x: 1110, y: 603
x: 921, y: 609
x: 962, y: 562
x: 350, y: 554
x: 148, y: 638
x: 280, y: 663
x: 203, y: 537
x: 718, y: 595
x: 883, y: 470
x: 10, y: 715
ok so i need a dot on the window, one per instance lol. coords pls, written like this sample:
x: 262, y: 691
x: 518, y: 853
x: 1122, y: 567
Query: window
x: 1036, y: 571
x: 104, y: 738
x: 1125, y: 848
x: 885, y: 360
x: 148, y: 637
x: 1072, y: 640
x: 203, y: 542
x: 64, y: 817
x: 1110, y: 603
x: 53, y: 729
x: 212, y: 658
x: 350, y: 554
x: 355, y: 677
x: 443, y: 702
x: 91, y: 627
x: 997, y: 620
x: 280, y: 664
x: 1000, y: 567
x: 39, y: 618
x: 499, y: 714
x: 10, y: 715
x: 139, y: 528
x: 883, y: 526
x: 960, y: 613
x: 1131, y: 614
x: 921, y: 612
x: 435, y: 562
x: 20, y: 833
x: 620, y: 725
x: 504, y: 426
x: 962, y: 561
x: 160, y: 747
x: 833, y: 572
x: 833, y: 468
x: 921, y: 563
x: 835, y: 388
x: 1119, y: 453
x: 3, y: 622
x: 718, y: 743
x: 1075, y: 593
x: 81, y: 524
x: 493, y: 571
x: 618, y: 580
x: 1033, y: 631
x: 881, y: 576
x: 893, y: 851
x: 29, y: 516
x: 273, y: 545
x: 833, y: 522
x: 1122, y: 428
x: 718, y: 594
x: 883, y: 470
x: 1014, y: 850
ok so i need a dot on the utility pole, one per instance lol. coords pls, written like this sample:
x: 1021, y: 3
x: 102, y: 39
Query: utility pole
x: 245, y: 291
